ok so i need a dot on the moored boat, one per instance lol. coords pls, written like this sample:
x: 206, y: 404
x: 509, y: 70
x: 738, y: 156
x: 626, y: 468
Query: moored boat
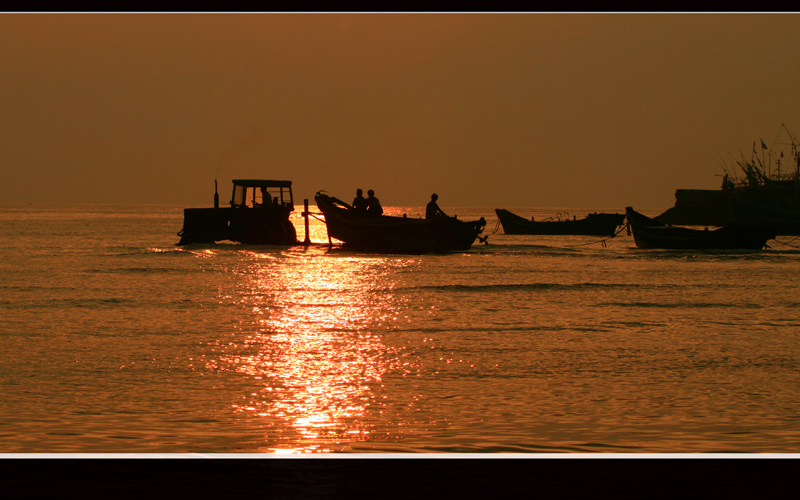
x: 392, y: 234
x: 258, y: 214
x: 651, y: 234
x: 596, y: 224
x: 764, y: 179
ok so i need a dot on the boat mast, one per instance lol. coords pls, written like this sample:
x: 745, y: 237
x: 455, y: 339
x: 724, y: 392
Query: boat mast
x: 216, y: 195
x: 795, y: 152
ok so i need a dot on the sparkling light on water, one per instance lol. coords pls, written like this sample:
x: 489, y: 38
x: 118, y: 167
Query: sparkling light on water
x: 309, y: 339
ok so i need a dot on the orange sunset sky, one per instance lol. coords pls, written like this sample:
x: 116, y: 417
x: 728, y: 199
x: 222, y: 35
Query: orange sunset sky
x: 495, y: 110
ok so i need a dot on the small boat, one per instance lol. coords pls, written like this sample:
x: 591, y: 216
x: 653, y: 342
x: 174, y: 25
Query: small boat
x: 649, y: 233
x: 258, y: 214
x: 595, y: 224
x: 392, y: 234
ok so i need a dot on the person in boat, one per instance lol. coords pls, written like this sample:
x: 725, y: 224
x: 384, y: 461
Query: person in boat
x: 433, y: 210
x: 374, y: 207
x: 359, y: 202
x: 266, y: 199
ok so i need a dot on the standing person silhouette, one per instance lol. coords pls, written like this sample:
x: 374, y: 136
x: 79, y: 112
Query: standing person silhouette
x: 433, y: 210
x: 374, y: 207
x: 359, y: 202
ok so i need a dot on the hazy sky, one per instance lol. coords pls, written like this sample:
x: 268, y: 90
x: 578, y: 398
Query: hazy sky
x: 560, y: 110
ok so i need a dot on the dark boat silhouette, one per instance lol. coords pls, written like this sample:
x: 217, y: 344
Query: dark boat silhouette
x: 649, y: 234
x: 769, y: 180
x: 601, y: 224
x: 258, y: 214
x: 391, y: 234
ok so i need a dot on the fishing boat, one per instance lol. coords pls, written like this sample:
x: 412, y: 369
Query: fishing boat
x: 258, y: 214
x: 393, y: 234
x: 649, y: 233
x: 596, y: 224
x: 769, y: 177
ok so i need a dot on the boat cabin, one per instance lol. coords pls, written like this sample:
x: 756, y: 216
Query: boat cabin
x: 254, y: 193
x: 258, y: 214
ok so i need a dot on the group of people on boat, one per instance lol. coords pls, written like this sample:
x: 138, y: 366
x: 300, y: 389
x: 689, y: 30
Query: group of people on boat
x: 367, y: 206
x: 372, y: 206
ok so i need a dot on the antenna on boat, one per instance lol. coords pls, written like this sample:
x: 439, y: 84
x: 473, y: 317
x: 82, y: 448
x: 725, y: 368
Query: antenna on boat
x: 795, y: 152
x: 216, y: 195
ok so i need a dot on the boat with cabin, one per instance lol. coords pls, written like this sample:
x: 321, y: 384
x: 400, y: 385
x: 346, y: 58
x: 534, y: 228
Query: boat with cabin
x: 595, y: 224
x: 258, y: 214
x: 763, y: 188
x: 395, y: 234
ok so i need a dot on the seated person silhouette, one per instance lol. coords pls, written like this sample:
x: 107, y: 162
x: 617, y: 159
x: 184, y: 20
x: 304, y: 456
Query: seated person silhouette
x: 374, y: 207
x: 433, y: 210
x: 360, y: 203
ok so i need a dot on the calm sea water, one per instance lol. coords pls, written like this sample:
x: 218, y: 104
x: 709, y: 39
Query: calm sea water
x: 113, y: 339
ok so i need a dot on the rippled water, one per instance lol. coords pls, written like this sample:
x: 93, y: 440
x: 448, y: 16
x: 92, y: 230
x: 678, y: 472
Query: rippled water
x: 116, y: 340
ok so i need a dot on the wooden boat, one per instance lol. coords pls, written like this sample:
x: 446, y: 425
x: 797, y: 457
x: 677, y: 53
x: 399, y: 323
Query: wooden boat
x: 601, y: 224
x: 649, y: 233
x: 391, y: 234
x: 258, y: 214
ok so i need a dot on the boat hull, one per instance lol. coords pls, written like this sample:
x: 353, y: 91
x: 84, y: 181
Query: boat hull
x: 601, y: 224
x: 387, y: 234
x: 254, y: 226
x: 650, y: 234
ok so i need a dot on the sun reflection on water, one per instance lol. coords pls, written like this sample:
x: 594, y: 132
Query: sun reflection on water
x: 313, y: 341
